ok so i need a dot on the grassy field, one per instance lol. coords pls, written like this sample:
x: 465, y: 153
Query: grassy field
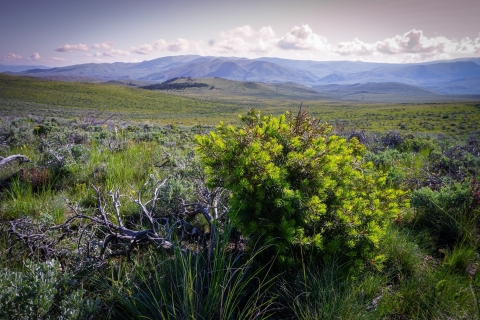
x: 22, y: 96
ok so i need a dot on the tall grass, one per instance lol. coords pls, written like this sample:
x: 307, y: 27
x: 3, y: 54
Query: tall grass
x: 324, y: 292
x: 210, y: 284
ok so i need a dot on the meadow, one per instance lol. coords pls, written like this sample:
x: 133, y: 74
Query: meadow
x: 127, y: 206
x: 39, y: 98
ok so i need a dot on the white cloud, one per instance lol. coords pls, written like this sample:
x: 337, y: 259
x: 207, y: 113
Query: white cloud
x: 116, y: 53
x: 104, y: 45
x: 179, y: 45
x: 303, y: 38
x: 412, y: 46
x: 35, y: 56
x: 94, y: 55
x: 245, y: 39
x: 56, y: 59
x: 150, y: 48
x: 12, y: 56
x: 240, y: 32
x: 72, y: 47
x: 414, y: 42
x: 355, y: 47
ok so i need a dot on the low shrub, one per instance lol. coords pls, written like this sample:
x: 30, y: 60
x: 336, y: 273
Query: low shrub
x: 295, y: 184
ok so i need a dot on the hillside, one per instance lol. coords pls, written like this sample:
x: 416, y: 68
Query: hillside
x: 38, y: 99
x: 221, y: 89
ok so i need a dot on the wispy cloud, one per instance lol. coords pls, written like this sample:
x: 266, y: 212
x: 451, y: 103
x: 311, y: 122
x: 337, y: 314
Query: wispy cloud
x: 179, y: 45
x: 104, y: 45
x: 116, y: 53
x: 72, y: 48
x: 34, y: 57
x: 12, y: 56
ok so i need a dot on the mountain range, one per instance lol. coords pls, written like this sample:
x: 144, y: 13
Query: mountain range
x: 457, y: 77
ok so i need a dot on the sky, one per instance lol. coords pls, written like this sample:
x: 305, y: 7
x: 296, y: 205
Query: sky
x: 65, y: 32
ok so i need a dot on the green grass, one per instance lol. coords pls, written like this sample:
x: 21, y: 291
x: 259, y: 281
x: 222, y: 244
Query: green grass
x: 22, y: 96
x: 193, y: 285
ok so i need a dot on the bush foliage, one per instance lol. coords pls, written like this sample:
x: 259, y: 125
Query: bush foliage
x: 293, y: 182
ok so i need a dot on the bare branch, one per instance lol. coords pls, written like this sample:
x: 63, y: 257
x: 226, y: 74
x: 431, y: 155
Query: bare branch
x: 16, y: 157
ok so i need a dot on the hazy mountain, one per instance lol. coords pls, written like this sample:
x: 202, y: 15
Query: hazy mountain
x: 423, y: 73
x: 469, y: 85
x: 380, y: 92
x: 453, y: 77
x: 234, y: 69
x: 5, y: 68
x: 99, y: 71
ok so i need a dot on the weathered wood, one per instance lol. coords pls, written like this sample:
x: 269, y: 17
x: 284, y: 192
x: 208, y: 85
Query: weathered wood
x: 16, y: 157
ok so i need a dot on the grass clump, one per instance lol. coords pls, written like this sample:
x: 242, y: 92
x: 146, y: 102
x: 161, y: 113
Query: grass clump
x: 218, y: 283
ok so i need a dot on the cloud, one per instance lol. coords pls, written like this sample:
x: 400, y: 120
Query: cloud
x: 179, y: 45
x: 240, y: 32
x: 471, y: 46
x: 149, y: 48
x: 116, y: 53
x: 56, y: 59
x: 355, y: 47
x: 12, y: 56
x: 411, y: 46
x: 414, y: 42
x: 35, y: 56
x: 104, y: 45
x: 245, y: 39
x: 95, y: 55
x: 303, y: 38
x: 72, y: 47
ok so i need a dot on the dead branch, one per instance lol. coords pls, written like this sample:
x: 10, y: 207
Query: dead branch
x: 16, y: 157
x: 102, y: 234
x: 35, y: 237
x: 117, y: 232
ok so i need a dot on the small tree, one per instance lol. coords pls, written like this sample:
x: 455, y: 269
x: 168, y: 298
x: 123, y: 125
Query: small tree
x: 292, y: 182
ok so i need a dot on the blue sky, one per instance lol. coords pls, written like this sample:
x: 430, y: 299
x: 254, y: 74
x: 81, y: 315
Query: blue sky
x: 59, y: 33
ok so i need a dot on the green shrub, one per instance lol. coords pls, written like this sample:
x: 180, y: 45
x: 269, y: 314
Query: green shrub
x: 36, y: 292
x: 447, y: 213
x: 292, y: 182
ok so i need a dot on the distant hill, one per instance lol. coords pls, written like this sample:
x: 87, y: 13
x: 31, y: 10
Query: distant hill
x: 226, y: 90
x: 424, y: 73
x: 19, y: 68
x: 385, y: 92
x: 438, y: 76
x: 470, y: 85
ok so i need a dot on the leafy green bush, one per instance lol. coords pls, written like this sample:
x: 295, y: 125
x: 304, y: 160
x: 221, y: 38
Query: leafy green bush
x: 450, y: 213
x: 292, y: 182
